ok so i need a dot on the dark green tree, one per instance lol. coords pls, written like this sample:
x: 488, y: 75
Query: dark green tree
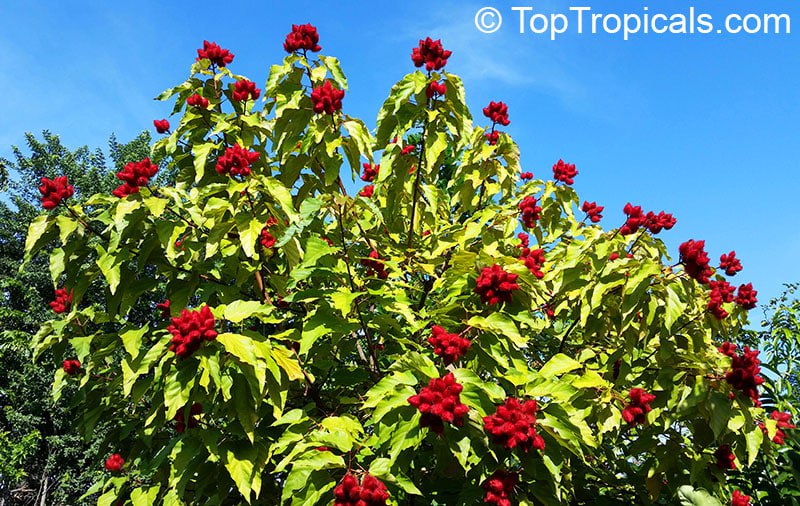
x: 43, y: 459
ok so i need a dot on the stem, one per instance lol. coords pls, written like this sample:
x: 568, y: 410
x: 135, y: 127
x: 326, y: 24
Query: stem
x: 420, y: 163
x: 372, y: 362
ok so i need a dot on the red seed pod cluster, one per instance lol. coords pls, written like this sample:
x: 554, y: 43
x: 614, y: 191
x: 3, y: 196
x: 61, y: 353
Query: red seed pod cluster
x: 495, y: 285
x: 499, y: 487
x: 196, y: 100
x: 370, y: 171
x: 530, y: 211
x: 513, y: 425
x: 435, y: 88
x: 524, y: 240
x: 181, y: 424
x: 720, y: 293
x: 653, y: 222
x: 448, y: 346
x: 740, y: 499
x: 114, y: 463
x: 725, y: 457
x: 62, y: 302
x: 534, y: 261
x: 635, y: 413
x: 72, y: 367
x: 497, y: 112
x: 214, y: 53
x: 747, y: 296
x: 592, y: 210
x: 407, y: 150
x: 164, y: 308
x: 190, y: 329
x: 370, y: 492
x: 695, y: 260
x: 782, y: 422
x: 564, y: 172
x: 439, y: 403
x: 266, y: 239
x: 431, y: 54
x: 326, y: 98
x: 245, y: 89
x: 728, y: 349
x: 492, y: 137
x: 730, y: 264
x: 162, y: 125
x: 636, y: 219
x: 133, y: 176
x: 367, y: 191
x: 374, y: 266
x: 236, y: 161
x: 661, y: 221
x: 526, y: 176
x: 744, y: 374
x: 302, y: 38
x: 54, y: 191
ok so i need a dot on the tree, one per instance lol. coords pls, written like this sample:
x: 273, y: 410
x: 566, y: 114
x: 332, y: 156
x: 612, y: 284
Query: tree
x: 406, y: 345
x: 42, y: 458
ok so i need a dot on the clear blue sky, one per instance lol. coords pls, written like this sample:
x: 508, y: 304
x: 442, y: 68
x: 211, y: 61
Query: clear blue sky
x: 703, y: 126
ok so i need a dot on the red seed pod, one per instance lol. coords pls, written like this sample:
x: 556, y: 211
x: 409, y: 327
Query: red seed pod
x: 215, y: 54
x: 55, y: 191
x: 439, y: 403
x: 190, y: 329
x: 495, y: 285
x: 431, y: 54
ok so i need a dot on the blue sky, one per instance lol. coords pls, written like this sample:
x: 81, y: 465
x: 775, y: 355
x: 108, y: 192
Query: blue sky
x: 703, y: 126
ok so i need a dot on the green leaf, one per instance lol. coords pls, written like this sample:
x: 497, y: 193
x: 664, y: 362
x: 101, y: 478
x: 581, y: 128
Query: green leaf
x: 132, y: 339
x: 201, y: 153
x: 558, y: 365
x: 288, y: 363
x: 36, y: 234
x: 145, y: 496
x: 500, y: 324
x: 689, y: 496
x: 239, y: 310
x: 239, y: 346
x: 334, y: 67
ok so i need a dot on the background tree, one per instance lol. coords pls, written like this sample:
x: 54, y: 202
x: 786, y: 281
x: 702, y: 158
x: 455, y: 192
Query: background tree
x: 43, y: 458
